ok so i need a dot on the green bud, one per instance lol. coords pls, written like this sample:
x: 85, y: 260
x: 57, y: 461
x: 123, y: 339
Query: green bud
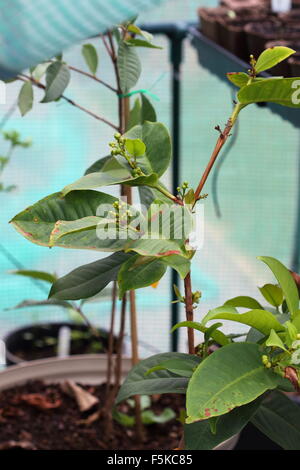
x: 264, y: 359
x: 268, y: 365
x: 117, y: 136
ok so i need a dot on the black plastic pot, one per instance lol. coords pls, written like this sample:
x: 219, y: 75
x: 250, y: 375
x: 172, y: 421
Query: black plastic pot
x: 40, y: 342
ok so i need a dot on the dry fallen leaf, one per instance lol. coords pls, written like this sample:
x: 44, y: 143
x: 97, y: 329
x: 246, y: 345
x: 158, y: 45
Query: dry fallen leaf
x: 84, y: 399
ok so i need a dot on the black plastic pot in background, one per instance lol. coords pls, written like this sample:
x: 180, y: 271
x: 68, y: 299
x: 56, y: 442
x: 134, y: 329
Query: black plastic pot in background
x: 40, y: 342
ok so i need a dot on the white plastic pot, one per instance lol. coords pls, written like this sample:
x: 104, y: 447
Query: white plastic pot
x: 84, y: 368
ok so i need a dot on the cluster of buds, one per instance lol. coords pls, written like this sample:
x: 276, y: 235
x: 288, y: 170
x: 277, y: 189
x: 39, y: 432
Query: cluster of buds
x: 181, y: 190
x: 121, y: 214
x: 266, y: 362
x: 119, y: 148
x: 252, y: 62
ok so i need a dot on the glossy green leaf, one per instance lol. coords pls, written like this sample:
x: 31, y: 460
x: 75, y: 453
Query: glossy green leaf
x: 286, y: 282
x: 179, y: 263
x: 275, y: 341
x: 141, y: 43
x: 37, y: 222
x: 134, y: 115
x: 57, y: 79
x: 129, y: 66
x: 161, y: 381
x: 135, y: 147
x: 271, y: 57
x: 217, y: 335
x: 89, y: 279
x: 262, y: 320
x: 112, y: 172
x: 279, y: 418
x: 39, y: 71
x: 98, y: 165
x: 243, y: 301
x: 283, y: 91
x: 157, y: 139
x: 182, y: 366
x: 25, y: 100
x: 230, y: 377
x: 40, y: 275
x: 239, y: 79
x: 90, y: 55
x: 92, y: 233
x: 198, y: 436
x: 273, y: 294
x: 147, y: 110
x: 138, y: 272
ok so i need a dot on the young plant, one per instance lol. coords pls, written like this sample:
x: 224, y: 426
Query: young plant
x: 14, y: 139
x: 226, y: 388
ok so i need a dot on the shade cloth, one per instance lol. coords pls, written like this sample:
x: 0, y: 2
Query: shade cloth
x: 32, y: 31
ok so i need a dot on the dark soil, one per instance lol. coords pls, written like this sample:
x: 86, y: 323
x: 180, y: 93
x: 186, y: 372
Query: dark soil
x: 51, y: 420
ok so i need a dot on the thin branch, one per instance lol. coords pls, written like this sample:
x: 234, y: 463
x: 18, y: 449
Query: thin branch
x: 220, y: 142
x: 111, y: 337
x: 25, y: 78
x: 189, y: 311
x: 93, y: 77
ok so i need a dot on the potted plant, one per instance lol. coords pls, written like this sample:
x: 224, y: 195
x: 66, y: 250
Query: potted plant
x: 145, y: 243
x: 50, y: 339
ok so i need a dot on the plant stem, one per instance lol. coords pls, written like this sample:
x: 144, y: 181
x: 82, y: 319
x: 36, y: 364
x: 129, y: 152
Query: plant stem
x: 93, y: 77
x: 220, y: 142
x: 118, y: 368
x: 111, y: 338
x: 25, y: 78
x: 189, y: 311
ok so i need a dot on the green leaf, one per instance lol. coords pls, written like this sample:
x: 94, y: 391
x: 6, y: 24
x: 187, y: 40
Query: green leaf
x: 43, y: 303
x: 149, y: 417
x: 273, y: 294
x: 279, y: 418
x: 271, y: 57
x: 262, y: 320
x: 89, y: 279
x: 41, y: 275
x: 91, y: 57
x: 147, y: 110
x: 133, y: 28
x: 162, y: 381
x: 138, y: 272
x: 239, y: 79
x: 112, y: 172
x: 283, y: 91
x: 286, y: 281
x: 141, y: 43
x: 129, y: 66
x: 179, y: 263
x: 57, y: 79
x: 98, y: 165
x: 134, y: 115
x: 231, y: 376
x: 37, y: 222
x: 157, y: 139
x: 198, y: 436
x: 243, y: 301
x: 25, y: 100
x: 39, y: 71
x: 217, y: 335
x: 182, y: 366
x: 92, y: 233
x: 135, y: 147
x: 275, y: 341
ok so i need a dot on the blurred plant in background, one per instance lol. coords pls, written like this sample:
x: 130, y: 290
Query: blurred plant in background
x: 15, y: 141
